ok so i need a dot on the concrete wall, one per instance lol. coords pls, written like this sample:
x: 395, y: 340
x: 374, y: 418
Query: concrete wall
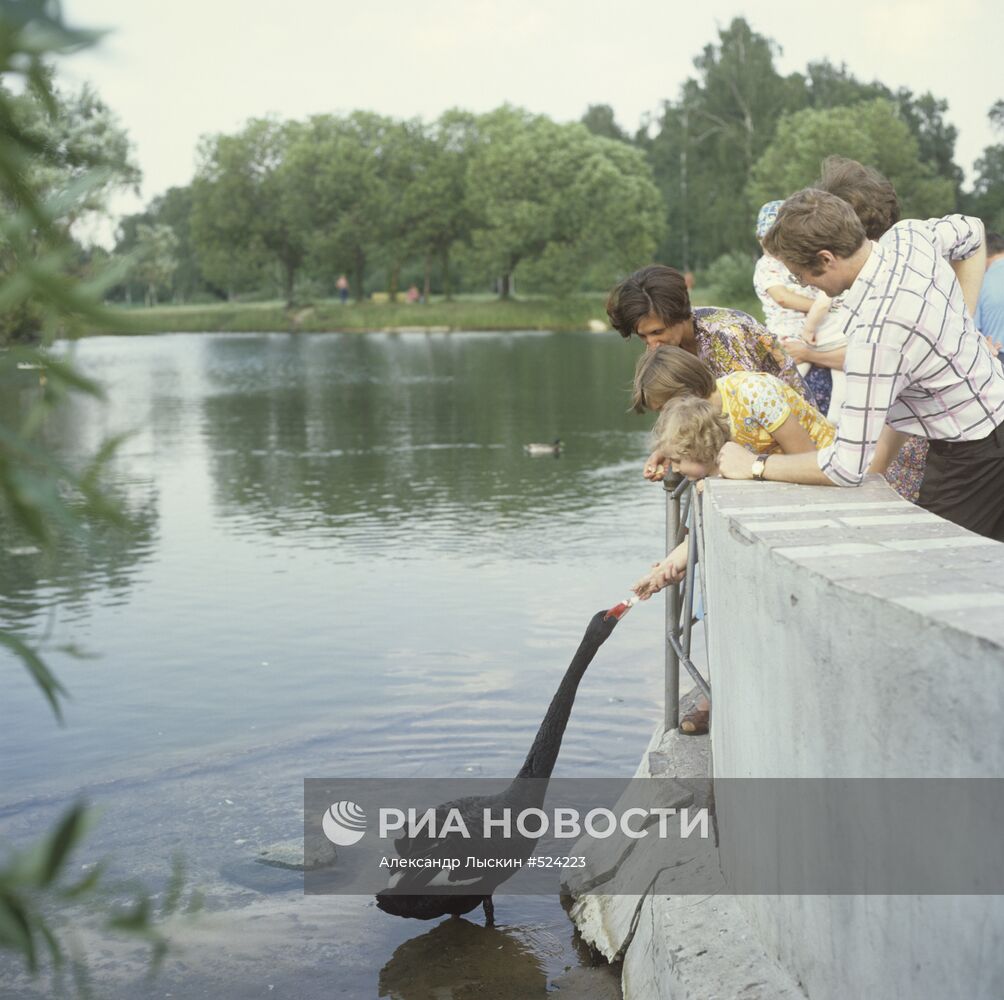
x: 855, y: 635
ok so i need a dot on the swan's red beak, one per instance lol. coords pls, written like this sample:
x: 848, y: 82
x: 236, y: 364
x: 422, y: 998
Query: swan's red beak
x: 618, y: 611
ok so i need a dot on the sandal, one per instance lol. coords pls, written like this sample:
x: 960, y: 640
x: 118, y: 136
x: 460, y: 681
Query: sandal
x: 695, y: 722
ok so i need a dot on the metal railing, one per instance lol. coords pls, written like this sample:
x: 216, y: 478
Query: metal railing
x: 683, y: 516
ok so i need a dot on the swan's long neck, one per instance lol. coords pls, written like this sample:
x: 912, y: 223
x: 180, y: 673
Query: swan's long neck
x: 544, y: 752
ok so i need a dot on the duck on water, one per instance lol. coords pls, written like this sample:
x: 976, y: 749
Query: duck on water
x: 538, y: 450
x: 459, y: 890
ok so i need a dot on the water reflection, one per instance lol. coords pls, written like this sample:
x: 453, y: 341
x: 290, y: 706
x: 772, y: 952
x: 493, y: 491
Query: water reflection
x: 383, y: 433
x: 458, y: 959
x: 341, y: 563
x: 96, y: 558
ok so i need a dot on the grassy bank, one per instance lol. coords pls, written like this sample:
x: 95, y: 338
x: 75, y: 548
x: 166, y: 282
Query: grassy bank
x: 460, y: 314
x: 463, y: 313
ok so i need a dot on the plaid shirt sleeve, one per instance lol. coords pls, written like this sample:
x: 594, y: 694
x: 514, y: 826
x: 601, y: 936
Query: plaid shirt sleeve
x: 875, y: 375
x: 956, y: 237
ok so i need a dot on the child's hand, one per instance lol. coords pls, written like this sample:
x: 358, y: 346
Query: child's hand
x: 655, y: 467
x: 647, y: 585
x: 808, y: 334
x: 671, y: 570
x: 796, y: 348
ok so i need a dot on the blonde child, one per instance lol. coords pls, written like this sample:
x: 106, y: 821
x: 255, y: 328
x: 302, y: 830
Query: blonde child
x: 691, y: 431
x: 698, y: 412
x: 764, y: 414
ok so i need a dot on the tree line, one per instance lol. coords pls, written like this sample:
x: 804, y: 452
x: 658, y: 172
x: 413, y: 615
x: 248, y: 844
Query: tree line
x: 472, y: 202
x: 289, y: 205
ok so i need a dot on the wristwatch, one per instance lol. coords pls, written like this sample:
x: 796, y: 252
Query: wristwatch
x: 759, y: 467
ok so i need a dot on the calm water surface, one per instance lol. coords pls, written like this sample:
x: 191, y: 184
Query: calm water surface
x: 339, y: 562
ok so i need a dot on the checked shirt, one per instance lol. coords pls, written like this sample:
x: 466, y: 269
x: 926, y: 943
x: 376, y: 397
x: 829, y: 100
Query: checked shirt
x: 914, y: 357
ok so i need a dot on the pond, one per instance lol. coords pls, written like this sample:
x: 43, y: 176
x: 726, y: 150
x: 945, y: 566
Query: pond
x: 339, y: 562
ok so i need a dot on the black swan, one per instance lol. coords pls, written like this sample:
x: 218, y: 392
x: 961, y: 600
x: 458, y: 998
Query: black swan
x: 526, y: 791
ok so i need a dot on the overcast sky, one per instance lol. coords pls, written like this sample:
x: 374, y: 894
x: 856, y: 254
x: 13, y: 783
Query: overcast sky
x: 174, y: 71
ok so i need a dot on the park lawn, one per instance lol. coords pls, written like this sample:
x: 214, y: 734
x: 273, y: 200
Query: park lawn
x: 463, y: 313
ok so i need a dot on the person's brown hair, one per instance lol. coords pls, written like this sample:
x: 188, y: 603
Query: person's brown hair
x: 654, y: 289
x: 810, y: 221
x: 995, y: 243
x: 870, y: 194
x: 666, y: 373
x: 691, y: 428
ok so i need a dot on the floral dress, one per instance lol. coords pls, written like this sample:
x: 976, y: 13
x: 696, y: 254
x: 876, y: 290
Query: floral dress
x: 906, y: 470
x: 732, y: 341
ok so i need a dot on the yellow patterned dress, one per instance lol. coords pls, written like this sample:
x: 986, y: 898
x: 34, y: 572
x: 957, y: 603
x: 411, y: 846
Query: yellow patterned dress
x: 757, y: 404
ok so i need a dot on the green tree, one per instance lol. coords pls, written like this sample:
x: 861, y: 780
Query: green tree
x: 600, y: 120
x: 924, y: 116
x: 240, y: 224
x: 557, y: 202
x: 40, y: 495
x: 403, y: 156
x: 830, y: 86
x: 873, y: 133
x: 704, y: 145
x: 155, y: 258
x: 75, y: 154
x: 987, y: 196
x: 174, y: 209
x: 336, y: 193
x: 82, y: 139
x: 437, y: 210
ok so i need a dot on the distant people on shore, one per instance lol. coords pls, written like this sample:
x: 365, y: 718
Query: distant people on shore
x: 342, y: 287
x: 413, y: 294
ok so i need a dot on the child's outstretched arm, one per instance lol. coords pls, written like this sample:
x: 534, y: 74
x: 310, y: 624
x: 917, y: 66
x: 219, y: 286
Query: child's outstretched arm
x: 788, y: 299
x: 820, y: 307
x: 671, y: 570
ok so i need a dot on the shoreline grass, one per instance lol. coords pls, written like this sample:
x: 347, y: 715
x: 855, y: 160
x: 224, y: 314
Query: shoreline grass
x: 468, y: 313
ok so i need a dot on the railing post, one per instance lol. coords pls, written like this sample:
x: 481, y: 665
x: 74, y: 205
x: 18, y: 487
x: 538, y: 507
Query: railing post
x: 672, y: 664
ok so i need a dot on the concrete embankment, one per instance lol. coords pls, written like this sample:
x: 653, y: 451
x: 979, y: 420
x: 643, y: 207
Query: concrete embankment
x: 851, y: 635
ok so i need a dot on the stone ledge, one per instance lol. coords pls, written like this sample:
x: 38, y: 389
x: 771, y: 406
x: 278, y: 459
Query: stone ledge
x: 680, y: 947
